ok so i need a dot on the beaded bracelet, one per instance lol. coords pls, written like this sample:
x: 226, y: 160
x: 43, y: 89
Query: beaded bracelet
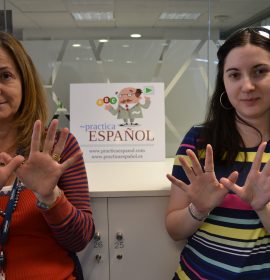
x: 192, y: 210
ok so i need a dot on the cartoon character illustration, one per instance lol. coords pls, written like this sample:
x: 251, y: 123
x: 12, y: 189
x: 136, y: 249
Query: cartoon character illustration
x: 129, y: 106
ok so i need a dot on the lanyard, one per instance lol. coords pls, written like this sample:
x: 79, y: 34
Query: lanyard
x: 7, y: 219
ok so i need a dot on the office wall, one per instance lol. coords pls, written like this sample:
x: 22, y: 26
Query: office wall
x: 185, y: 69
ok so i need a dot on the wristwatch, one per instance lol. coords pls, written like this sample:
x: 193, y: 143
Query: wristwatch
x: 42, y: 205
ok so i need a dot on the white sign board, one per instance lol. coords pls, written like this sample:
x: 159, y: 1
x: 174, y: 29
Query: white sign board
x: 119, y: 121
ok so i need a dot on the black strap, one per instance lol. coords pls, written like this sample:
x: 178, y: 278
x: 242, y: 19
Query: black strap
x: 78, y: 266
x: 7, y: 220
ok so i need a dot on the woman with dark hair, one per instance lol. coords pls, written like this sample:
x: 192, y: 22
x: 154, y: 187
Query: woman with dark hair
x: 45, y: 213
x: 220, y: 189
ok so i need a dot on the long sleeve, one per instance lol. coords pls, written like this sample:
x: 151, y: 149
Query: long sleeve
x: 70, y: 220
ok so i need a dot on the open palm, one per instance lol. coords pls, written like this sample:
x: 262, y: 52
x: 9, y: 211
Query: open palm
x: 41, y: 172
x: 204, y: 190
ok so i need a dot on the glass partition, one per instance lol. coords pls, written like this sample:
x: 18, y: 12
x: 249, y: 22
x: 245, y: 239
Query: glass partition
x: 183, y: 58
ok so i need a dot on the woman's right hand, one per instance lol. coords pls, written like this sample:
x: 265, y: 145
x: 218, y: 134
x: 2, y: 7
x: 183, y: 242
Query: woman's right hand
x: 204, y: 190
x: 9, y: 166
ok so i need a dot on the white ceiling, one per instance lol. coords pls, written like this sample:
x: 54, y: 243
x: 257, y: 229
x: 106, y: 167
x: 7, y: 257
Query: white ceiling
x: 52, y: 19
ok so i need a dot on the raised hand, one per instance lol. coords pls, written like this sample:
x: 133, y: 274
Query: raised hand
x: 9, y: 166
x: 42, y: 170
x: 204, y: 190
x: 256, y: 190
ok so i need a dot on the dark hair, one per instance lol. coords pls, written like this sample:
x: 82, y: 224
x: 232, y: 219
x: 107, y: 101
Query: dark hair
x: 219, y: 128
x: 138, y: 92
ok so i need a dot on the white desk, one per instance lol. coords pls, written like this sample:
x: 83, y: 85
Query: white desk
x: 118, y: 179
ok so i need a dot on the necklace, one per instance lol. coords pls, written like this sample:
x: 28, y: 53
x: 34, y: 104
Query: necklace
x: 3, y: 213
x: 7, y: 215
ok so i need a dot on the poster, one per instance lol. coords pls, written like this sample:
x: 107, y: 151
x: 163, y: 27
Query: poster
x: 119, y: 121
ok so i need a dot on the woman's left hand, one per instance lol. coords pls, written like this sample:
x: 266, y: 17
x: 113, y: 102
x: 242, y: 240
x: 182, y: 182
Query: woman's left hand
x: 42, y: 170
x: 256, y: 190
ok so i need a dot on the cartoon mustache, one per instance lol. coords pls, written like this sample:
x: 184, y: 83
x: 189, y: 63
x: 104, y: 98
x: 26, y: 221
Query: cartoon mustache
x: 126, y: 101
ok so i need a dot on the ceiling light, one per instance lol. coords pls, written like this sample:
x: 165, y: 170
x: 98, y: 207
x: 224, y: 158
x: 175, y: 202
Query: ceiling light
x: 103, y: 40
x: 201, y: 59
x: 135, y: 35
x: 76, y: 45
x: 95, y: 16
x: 179, y: 16
x: 265, y: 34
